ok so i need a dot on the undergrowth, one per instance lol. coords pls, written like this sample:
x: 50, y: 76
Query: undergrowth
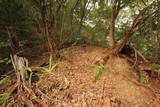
x: 97, y: 72
x: 46, y: 70
x: 3, y: 101
x: 154, y: 65
x: 140, y: 75
x: 51, y: 67
x: 29, y: 70
x: 5, y: 80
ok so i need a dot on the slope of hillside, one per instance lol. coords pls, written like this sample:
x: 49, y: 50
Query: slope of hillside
x: 71, y: 83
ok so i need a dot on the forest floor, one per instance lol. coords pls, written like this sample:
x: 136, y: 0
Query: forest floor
x: 71, y: 83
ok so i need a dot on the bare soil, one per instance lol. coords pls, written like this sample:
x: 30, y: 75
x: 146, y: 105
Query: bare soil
x: 71, y: 83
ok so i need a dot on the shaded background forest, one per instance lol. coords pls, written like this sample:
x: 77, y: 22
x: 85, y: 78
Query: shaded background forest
x: 31, y: 27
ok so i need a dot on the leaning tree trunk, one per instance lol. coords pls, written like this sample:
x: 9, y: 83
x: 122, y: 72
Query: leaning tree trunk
x: 131, y: 31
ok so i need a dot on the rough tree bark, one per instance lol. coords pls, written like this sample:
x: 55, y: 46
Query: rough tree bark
x: 83, y: 10
x: 50, y: 38
x: 116, y: 7
x: 48, y: 24
x: 112, y: 28
x: 157, y: 53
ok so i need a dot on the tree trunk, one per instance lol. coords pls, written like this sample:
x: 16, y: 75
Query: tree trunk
x: 114, y: 13
x: 157, y: 38
x: 48, y: 23
x: 112, y: 30
x: 50, y: 38
x: 82, y: 16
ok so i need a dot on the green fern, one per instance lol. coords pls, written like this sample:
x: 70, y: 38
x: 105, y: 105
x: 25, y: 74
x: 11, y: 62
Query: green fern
x: 97, y: 72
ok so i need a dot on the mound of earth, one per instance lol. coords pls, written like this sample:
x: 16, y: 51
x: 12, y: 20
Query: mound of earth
x: 72, y: 82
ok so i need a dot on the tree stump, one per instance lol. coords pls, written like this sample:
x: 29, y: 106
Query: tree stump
x: 21, y: 85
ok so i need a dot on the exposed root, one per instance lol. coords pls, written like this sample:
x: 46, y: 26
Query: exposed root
x: 135, y: 57
x: 140, y: 55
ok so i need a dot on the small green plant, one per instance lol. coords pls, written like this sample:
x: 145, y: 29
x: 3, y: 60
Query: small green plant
x: 3, y: 101
x: 5, y: 80
x: 4, y: 43
x: 141, y: 78
x: 97, y: 72
x: 51, y: 67
x: 25, y: 69
x: 5, y: 61
x: 33, y: 97
x: 154, y: 65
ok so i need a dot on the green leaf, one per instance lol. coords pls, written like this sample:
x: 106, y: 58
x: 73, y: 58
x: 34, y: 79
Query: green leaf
x: 30, y: 79
x: 3, y: 101
x: 154, y: 65
x: 33, y: 97
x: 27, y: 69
x: 5, y: 80
x: 54, y: 66
x: 43, y: 69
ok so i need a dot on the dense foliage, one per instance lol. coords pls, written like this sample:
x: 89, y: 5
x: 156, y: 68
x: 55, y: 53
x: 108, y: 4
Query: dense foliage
x: 68, y: 22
